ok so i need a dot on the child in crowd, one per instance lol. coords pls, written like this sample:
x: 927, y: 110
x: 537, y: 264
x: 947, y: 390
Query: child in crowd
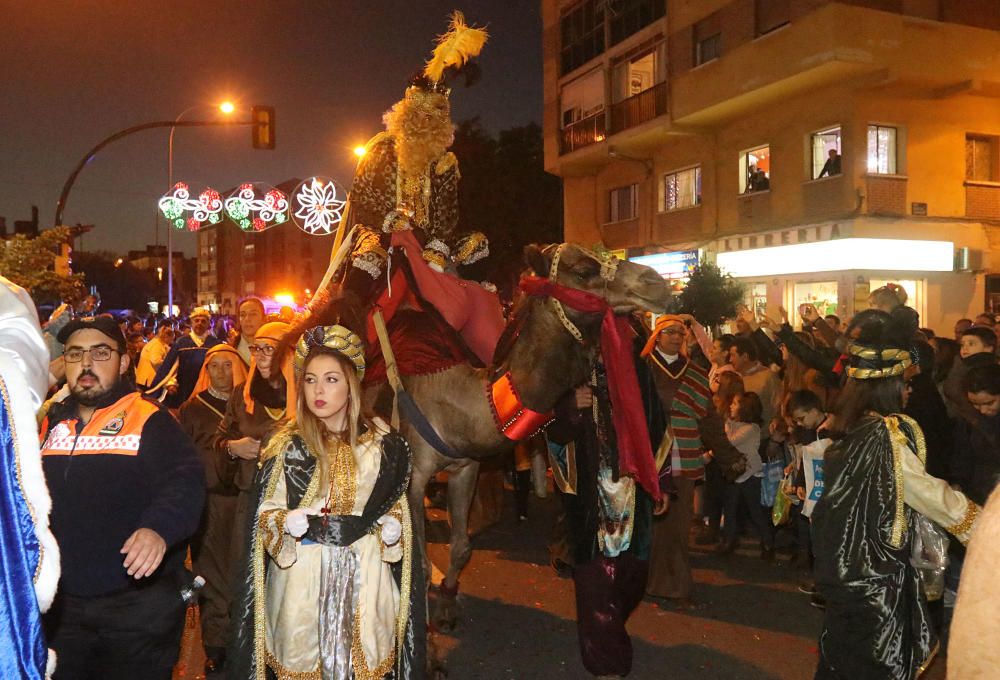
x: 729, y: 387
x: 977, y: 347
x: 743, y: 430
x: 808, y: 417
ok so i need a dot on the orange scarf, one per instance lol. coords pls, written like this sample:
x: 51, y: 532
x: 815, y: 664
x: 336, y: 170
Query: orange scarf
x: 274, y: 330
x: 663, y: 322
x: 203, y: 382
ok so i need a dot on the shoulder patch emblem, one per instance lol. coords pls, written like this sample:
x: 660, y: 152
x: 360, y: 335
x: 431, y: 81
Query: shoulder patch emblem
x: 114, y: 426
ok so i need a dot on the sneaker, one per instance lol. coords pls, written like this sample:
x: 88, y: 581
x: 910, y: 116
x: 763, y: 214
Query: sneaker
x: 817, y: 601
x: 808, y: 588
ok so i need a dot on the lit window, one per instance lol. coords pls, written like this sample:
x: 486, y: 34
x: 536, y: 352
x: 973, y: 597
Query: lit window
x: 681, y: 189
x: 826, y: 153
x: 881, y: 150
x: 755, y: 170
x: 981, y: 158
x: 624, y: 203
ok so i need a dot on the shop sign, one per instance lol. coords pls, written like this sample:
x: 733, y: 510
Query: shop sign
x: 676, y: 265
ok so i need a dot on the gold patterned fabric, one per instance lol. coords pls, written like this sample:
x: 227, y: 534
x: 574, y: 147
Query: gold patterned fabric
x: 350, y: 590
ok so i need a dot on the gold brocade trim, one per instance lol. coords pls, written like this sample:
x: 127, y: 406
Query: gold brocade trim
x: 968, y: 521
x: 413, y: 194
x: 272, y: 531
x: 434, y: 257
x: 556, y: 305
x: 343, y: 481
x: 282, y: 673
x: 20, y: 481
x: 406, y: 580
x: 877, y: 373
x: 898, y: 440
x: 359, y: 664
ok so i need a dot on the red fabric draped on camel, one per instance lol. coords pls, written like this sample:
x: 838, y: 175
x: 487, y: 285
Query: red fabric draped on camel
x: 635, y: 455
x: 421, y: 347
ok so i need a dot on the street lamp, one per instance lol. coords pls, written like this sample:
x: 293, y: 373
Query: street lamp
x: 226, y: 108
x: 359, y: 150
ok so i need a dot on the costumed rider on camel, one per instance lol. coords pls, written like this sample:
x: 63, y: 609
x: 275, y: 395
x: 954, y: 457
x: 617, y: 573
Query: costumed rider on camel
x: 404, y: 202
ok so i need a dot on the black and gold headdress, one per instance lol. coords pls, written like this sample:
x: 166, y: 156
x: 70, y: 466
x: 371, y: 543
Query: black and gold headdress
x: 871, y: 363
x: 337, y: 338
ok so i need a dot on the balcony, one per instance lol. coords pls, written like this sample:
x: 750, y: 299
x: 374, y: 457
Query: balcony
x: 639, y: 108
x: 584, y: 132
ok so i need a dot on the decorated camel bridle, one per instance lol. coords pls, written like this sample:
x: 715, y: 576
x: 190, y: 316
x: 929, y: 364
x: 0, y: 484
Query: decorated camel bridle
x: 609, y: 270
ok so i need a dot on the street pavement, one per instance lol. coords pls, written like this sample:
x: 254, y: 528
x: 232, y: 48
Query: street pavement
x: 518, y: 617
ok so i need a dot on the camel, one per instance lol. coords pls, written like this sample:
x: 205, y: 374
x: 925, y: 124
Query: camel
x: 545, y: 362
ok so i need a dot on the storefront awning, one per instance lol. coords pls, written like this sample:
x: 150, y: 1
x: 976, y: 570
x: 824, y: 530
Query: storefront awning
x: 876, y: 254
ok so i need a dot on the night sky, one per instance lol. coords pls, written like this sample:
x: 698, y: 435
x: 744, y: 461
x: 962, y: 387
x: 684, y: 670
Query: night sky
x: 75, y: 72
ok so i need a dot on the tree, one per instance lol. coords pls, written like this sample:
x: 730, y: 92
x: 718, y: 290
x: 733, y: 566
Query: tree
x: 121, y: 286
x: 710, y: 296
x: 30, y: 263
x: 506, y: 194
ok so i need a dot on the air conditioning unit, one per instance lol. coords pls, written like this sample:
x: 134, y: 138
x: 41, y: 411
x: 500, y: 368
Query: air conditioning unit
x: 967, y: 260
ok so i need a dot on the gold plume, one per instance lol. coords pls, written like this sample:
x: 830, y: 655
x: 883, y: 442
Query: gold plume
x: 456, y: 47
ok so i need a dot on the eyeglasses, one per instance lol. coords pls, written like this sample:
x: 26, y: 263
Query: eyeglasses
x: 99, y: 353
x: 266, y: 350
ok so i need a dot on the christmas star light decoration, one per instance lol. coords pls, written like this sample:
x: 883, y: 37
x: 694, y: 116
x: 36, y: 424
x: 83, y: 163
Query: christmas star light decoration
x: 256, y: 214
x: 318, y: 209
x: 206, y: 208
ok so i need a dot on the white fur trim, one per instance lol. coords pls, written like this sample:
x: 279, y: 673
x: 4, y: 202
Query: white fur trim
x: 36, y: 494
x: 50, y: 665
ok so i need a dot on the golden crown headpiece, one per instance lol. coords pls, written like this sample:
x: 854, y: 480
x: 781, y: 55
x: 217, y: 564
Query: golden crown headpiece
x: 870, y: 363
x: 337, y: 338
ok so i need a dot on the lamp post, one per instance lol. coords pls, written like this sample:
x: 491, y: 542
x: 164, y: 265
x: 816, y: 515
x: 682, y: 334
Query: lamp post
x: 226, y: 108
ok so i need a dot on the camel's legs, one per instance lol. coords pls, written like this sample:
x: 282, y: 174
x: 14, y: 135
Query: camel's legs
x: 419, y: 477
x: 461, y: 489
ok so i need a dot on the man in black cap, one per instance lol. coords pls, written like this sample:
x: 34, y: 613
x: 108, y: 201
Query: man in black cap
x: 127, y: 491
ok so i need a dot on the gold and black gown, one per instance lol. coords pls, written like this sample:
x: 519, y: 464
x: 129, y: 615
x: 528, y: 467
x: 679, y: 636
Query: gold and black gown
x: 338, y: 603
x: 876, y: 625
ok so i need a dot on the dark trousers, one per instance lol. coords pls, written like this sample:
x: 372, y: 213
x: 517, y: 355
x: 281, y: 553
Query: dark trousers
x: 608, y: 589
x: 134, y: 634
x: 747, y: 495
x: 715, y: 491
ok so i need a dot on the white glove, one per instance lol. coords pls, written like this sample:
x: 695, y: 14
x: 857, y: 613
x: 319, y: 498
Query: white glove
x: 296, y: 522
x: 391, y: 529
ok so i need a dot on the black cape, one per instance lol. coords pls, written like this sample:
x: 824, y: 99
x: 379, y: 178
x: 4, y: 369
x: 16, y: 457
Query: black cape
x: 876, y: 624
x: 299, y: 465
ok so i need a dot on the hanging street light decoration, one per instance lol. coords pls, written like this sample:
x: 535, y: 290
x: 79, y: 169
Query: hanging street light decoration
x: 318, y: 208
x: 206, y: 208
x: 251, y: 213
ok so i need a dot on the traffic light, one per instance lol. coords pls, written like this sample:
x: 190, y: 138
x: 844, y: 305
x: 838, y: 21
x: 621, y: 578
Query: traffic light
x: 263, y: 126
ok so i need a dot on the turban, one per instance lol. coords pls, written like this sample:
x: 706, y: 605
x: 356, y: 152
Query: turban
x: 663, y: 322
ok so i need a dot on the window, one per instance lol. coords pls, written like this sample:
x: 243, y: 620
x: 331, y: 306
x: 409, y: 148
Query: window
x: 630, y: 16
x: 881, y: 150
x: 981, y: 158
x: 681, y: 189
x: 755, y: 170
x: 770, y: 14
x: 582, y: 33
x: 582, y: 98
x: 826, y: 153
x: 821, y: 294
x: 639, y: 73
x: 624, y: 203
x: 708, y: 49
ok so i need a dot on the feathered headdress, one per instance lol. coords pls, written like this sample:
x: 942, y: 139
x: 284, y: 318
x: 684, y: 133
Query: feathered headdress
x: 455, y: 49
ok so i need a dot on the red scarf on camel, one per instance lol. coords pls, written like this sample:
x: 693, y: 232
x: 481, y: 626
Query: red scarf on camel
x: 635, y: 455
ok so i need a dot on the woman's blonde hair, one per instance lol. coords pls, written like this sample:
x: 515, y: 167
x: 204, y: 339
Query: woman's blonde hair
x: 313, y: 431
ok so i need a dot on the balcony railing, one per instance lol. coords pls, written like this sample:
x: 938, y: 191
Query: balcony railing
x: 639, y: 108
x: 585, y: 132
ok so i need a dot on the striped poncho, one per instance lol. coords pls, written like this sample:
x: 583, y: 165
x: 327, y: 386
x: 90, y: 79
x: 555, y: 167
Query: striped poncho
x: 690, y: 403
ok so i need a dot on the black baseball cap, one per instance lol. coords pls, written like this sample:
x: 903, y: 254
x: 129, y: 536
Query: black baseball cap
x: 104, y: 324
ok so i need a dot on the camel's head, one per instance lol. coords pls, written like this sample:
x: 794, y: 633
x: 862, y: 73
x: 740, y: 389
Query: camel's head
x: 626, y: 286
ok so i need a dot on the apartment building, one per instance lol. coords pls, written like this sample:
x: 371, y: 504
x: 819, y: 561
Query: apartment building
x: 277, y: 265
x: 813, y: 149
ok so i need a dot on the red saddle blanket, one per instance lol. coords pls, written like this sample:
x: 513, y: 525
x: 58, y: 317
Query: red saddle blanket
x: 435, y: 321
